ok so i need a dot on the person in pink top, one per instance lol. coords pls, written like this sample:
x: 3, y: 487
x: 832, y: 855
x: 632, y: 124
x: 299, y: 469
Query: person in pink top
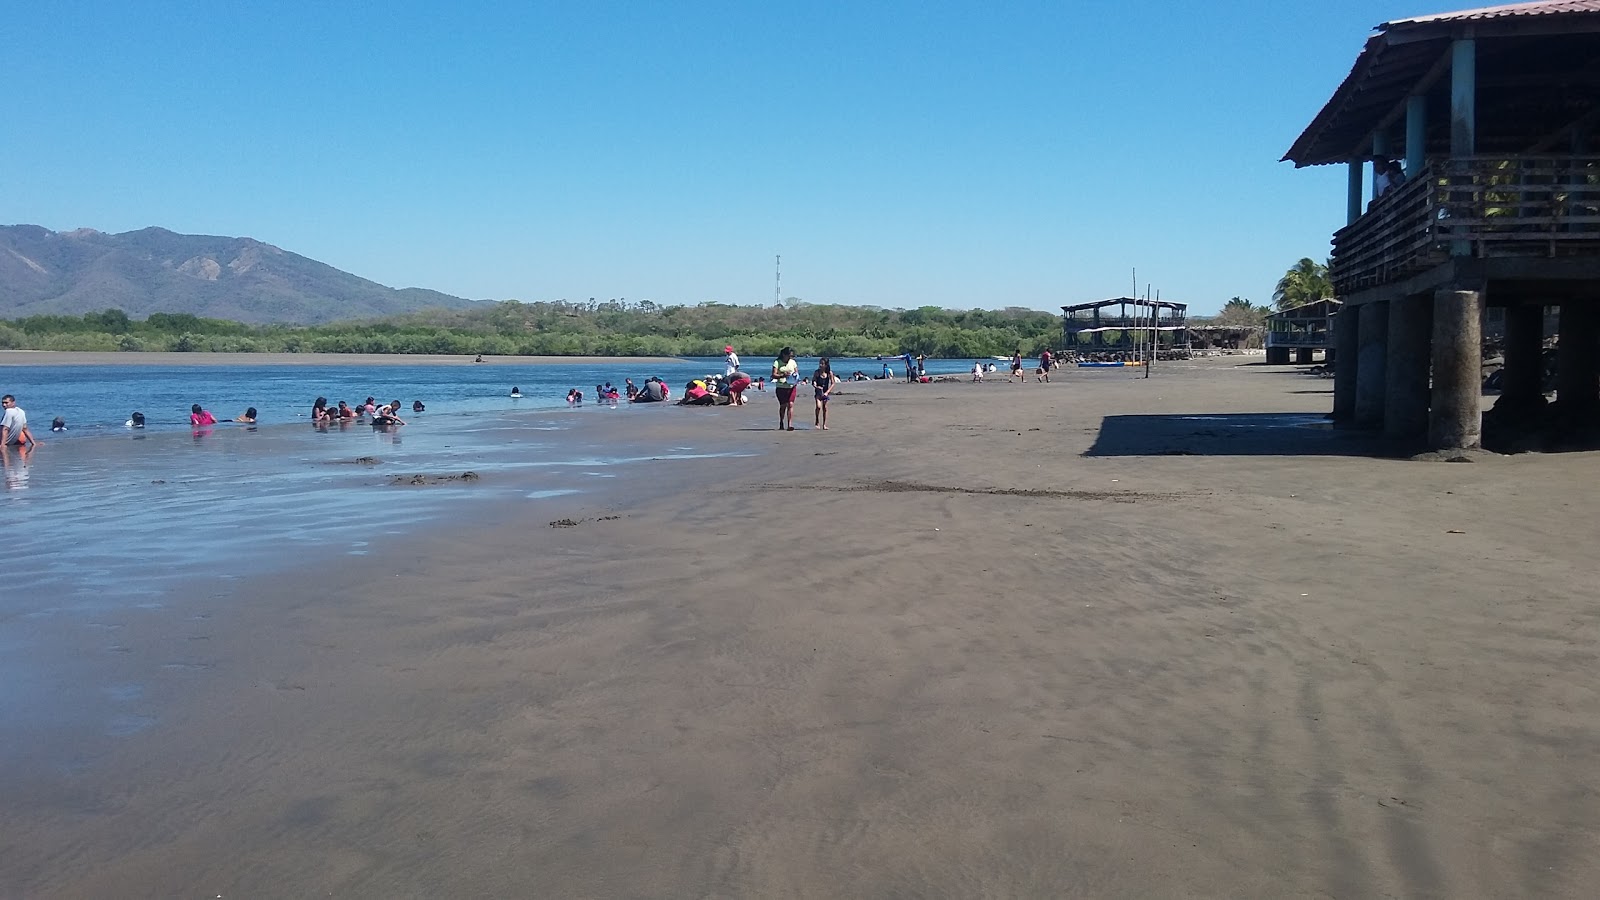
x: 198, y: 416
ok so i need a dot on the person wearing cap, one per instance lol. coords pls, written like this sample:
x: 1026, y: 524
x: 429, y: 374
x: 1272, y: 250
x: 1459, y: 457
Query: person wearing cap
x: 732, y: 360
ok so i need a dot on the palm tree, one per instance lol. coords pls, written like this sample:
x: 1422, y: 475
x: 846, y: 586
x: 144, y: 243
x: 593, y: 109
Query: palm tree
x: 1307, y: 282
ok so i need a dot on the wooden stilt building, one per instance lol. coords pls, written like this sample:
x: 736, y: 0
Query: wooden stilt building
x: 1493, y: 112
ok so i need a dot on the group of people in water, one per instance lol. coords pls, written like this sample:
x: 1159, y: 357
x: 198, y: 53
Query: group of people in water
x: 382, y: 416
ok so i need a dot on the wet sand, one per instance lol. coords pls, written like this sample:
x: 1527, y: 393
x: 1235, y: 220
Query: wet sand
x: 68, y: 358
x: 1100, y: 638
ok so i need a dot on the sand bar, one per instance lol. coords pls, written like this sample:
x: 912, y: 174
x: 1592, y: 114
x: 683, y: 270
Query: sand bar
x: 1102, y: 638
x: 73, y: 358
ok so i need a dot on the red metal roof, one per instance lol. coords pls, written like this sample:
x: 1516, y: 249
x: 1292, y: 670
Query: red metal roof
x: 1537, y: 8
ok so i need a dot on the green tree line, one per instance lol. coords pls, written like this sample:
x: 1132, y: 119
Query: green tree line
x: 561, y: 328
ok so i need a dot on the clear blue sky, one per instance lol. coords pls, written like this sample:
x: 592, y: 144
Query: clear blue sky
x: 897, y: 154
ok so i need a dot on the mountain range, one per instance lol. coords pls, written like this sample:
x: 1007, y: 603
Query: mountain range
x: 156, y: 270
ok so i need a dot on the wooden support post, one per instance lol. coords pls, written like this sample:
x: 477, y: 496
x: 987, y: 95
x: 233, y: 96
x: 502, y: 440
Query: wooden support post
x: 1372, y: 351
x: 1522, y: 379
x: 1405, y: 407
x: 1577, y: 353
x: 1455, y: 419
x: 1416, y: 135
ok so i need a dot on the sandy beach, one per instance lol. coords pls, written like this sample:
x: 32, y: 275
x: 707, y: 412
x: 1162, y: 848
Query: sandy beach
x: 1105, y: 637
x: 71, y: 358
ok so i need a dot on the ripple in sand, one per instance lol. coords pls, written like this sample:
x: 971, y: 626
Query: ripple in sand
x: 123, y: 726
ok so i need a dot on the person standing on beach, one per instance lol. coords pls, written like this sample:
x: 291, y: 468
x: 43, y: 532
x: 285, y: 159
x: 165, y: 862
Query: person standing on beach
x: 822, y: 382
x: 14, y: 424
x: 785, y: 374
x: 732, y: 361
x: 1045, y: 361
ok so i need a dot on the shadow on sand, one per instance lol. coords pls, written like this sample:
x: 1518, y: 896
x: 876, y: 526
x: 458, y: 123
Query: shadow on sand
x: 1233, y: 434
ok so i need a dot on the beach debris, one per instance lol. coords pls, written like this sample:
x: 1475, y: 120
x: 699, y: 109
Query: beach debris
x: 367, y: 460
x: 432, y: 479
x: 573, y: 523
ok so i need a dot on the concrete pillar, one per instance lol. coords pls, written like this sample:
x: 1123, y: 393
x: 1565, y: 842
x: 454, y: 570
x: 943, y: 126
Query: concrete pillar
x: 1353, y: 204
x: 1372, y: 349
x: 1405, y: 406
x: 1455, y: 419
x: 1345, y: 326
x: 1463, y: 112
x: 1416, y: 135
x: 1302, y: 355
x: 1380, y: 147
x: 1277, y: 356
x: 1577, y: 357
x: 1522, y: 379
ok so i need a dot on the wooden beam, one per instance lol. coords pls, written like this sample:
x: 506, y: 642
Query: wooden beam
x: 1547, y: 142
x: 1428, y: 80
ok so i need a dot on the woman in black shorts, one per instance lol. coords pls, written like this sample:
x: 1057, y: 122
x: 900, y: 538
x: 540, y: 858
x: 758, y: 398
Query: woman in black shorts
x: 785, y: 376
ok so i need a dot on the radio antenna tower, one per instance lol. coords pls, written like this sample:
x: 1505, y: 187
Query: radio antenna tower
x: 777, y: 281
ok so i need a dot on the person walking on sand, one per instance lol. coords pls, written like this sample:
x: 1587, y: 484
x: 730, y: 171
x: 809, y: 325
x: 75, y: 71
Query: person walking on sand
x: 977, y: 372
x: 785, y: 375
x: 822, y: 382
x: 1045, y: 361
x: 1016, y: 369
x: 14, y: 425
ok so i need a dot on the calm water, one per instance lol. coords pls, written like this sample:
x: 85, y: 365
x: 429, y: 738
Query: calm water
x: 95, y: 399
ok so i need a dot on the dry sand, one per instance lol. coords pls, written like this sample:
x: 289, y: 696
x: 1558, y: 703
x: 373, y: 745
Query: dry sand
x: 974, y: 641
x: 67, y: 358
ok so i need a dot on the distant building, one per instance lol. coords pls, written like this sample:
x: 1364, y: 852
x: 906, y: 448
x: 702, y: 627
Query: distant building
x: 1115, y: 326
x: 1294, y: 333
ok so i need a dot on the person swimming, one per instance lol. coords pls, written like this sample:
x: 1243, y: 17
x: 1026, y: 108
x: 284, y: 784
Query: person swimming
x: 247, y: 417
x: 516, y: 392
x: 136, y: 420
x: 59, y: 424
x: 416, y: 406
x: 574, y: 397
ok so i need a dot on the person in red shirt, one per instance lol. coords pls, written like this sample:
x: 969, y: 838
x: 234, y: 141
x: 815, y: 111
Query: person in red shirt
x: 198, y: 416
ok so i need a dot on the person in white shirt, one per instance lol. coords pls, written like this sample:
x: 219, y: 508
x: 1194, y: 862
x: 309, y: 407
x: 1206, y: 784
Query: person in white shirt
x: 732, y: 360
x: 977, y: 371
x: 14, y: 424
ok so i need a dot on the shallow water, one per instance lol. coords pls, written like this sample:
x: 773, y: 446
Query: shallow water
x: 115, y: 521
x: 99, y: 399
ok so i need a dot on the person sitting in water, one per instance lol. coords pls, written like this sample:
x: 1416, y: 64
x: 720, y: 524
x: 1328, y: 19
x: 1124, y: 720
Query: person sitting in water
x: 516, y: 392
x: 199, y: 417
x: 369, y: 407
x: 574, y: 397
x: 344, y: 411
x: 136, y: 420
x: 248, y: 417
x: 652, y: 392
x: 58, y: 424
x: 387, y: 416
x: 319, y: 410
x: 632, y: 390
x: 416, y: 406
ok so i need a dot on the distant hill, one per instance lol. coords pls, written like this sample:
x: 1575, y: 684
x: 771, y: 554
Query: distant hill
x: 156, y: 270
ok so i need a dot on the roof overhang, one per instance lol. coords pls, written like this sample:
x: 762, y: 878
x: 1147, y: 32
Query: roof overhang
x: 1538, y: 72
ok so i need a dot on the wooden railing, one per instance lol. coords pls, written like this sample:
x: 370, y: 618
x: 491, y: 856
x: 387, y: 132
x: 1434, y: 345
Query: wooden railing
x: 1123, y: 322
x: 1472, y: 206
x: 1316, y: 338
